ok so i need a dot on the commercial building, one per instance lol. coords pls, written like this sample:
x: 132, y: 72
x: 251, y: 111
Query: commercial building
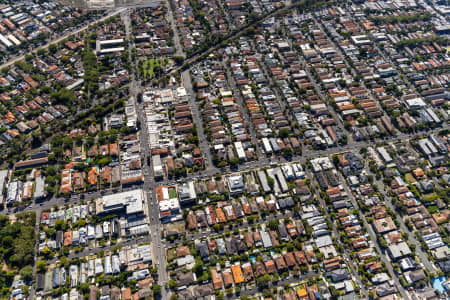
x: 130, y: 202
x: 186, y: 193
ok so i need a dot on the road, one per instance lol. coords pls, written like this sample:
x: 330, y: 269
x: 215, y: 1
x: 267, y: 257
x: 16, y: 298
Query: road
x: 411, y: 236
x: 175, y: 36
x: 244, y: 111
x: 149, y: 183
x: 252, y: 165
x: 382, y: 254
x: 346, y: 254
x: 198, y: 121
x: 236, y: 34
x: 31, y: 295
x: 149, y: 186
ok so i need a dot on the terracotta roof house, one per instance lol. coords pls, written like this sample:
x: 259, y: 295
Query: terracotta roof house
x: 290, y: 260
x: 93, y: 175
x: 216, y: 279
x: 237, y: 273
x: 270, y: 266
x: 227, y: 277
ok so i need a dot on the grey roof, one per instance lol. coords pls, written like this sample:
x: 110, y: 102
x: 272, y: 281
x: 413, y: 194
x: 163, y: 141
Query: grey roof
x: 267, y: 242
x: 221, y: 246
x: 202, y: 248
x: 444, y: 265
x: 185, y: 278
x: 40, y: 281
x: 399, y: 250
x: 350, y: 296
x: 282, y: 230
x: 204, y: 290
x: 338, y: 275
x: 417, y: 275
x: 385, y: 289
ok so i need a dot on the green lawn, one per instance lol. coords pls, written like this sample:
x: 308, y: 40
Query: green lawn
x: 429, y: 197
x: 409, y: 178
x: 432, y: 209
x: 172, y: 193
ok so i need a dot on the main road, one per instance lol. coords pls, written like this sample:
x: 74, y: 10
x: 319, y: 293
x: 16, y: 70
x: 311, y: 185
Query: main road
x: 149, y: 186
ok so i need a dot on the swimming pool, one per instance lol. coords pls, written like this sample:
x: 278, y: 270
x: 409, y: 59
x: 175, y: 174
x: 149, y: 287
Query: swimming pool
x: 437, y: 283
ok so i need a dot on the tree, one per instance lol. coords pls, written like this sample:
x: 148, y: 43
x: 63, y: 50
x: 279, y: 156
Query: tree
x: 7, y: 241
x: 53, y: 48
x: 156, y: 289
x: 273, y: 224
x: 229, y: 291
x: 271, y: 182
x: 267, y: 293
x: 283, y: 133
x: 42, y: 52
x: 60, y: 225
x: 84, y: 287
x: 178, y: 60
x: 287, y: 152
x: 27, y: 273
x: 41, y: 266
x: 64, y: 261
x: 47, y: 252
x: 63, y: 96
x: 172, y: 284
x: 263, y: 280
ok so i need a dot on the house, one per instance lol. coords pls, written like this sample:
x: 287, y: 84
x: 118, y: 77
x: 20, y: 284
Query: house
x: 235, y: 184
x: 185, y: 279
x: 237, y: 273
x: 338, y: 275
x: 385, y: 289
x: 290, y: 260
x: 400, y: 250
x: 300, y: 257
x: 259, y: 268
x: 227, y: 277
x: 204, y: 290
x: 280, y: 263
x: 247, y: 271
x: 384, y: 225
x: 283, y: 232
x: 270, y: 266
x: 414, y: 276
x: 267, y: 242
x: 216, y: 279
x: 302, y: 294
x: 202, y: 249
x: 93, y: 175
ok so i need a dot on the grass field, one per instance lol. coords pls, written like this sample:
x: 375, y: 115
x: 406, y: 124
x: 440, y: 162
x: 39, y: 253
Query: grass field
x: 149, y: 66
